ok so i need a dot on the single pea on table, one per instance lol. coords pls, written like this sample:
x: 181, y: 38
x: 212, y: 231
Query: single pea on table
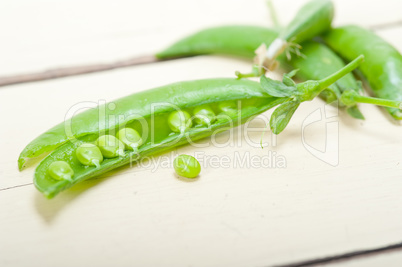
x: 187, y: 166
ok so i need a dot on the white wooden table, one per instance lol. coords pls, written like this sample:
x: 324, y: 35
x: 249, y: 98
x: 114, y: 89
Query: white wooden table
x: 146, y: 216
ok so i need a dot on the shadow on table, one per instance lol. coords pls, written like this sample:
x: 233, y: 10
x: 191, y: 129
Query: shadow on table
x: 48, y: 209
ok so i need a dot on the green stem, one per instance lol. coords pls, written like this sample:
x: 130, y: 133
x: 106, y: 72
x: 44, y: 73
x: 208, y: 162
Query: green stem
x: 245, y: 75
x: 324, y: 83
x: 273, y: 14
x: 353, y: 97
x: 254, y: 73
x: 379, y: 102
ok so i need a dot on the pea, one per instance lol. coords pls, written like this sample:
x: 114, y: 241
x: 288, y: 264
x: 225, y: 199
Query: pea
x: 110, y: 146
x: 89, y: 155
x: 179, y: 121
x: 60, y: 170
x: 227, y: 106
x: 204, y: 115
x: 187, y: 166
x: 130, y: 137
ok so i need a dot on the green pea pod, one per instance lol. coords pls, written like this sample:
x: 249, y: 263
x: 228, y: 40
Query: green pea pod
x: 318, y: 61
x: 136, y: 105
x: 383, y: 63
x: 313, y: 18
x: 236, y: 40
x: 153, y: 107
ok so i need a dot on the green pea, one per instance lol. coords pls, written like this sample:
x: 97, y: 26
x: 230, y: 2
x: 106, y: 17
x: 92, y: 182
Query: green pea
x: 130, y: 137
x: 89, y: 154
x: 227, y: 109
x: 60, y: 170
x: 227, y: 106
x: 110, y: 146
x: 187, y: 166
x: 179, y: 121
x: 204, y: 115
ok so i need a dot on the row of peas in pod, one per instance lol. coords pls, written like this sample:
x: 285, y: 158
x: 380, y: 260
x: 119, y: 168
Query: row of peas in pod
x: 109, y: 146
x: 106, y: 146
x: 203, y: 116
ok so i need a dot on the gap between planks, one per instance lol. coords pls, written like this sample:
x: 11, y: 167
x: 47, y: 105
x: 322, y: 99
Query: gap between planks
x: 346, y: 256
x: 15, y: 186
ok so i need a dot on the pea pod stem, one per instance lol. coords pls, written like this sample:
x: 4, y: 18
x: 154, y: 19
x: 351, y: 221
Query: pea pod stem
x: 324, y: 83
x: 273, y: 14
x: 308, y: 90
x: 96, y: 163
x: 277, y: 47
x: 379, y: 102
x: 353, y: 98
x: 68, y: 178
x: 245, y: 75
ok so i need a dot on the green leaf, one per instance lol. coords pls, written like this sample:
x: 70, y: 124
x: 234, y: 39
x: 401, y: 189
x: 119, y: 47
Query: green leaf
x: 287, y: 78
x: 277, y: 88
x: 354, y: 112
x: 292, y: 73
x: 288, y: 81
x: 282, y: 115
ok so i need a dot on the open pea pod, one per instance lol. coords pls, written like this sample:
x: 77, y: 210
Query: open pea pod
x: 148, y: 113
x: 139, y: 105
